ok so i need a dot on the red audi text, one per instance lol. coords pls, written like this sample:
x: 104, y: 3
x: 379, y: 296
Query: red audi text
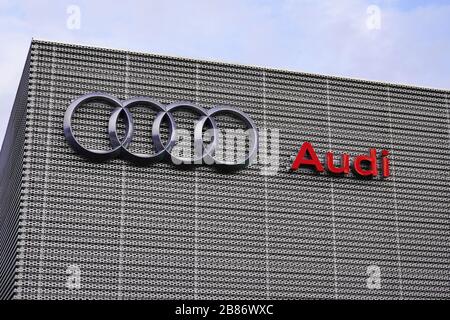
x: 362, y: 165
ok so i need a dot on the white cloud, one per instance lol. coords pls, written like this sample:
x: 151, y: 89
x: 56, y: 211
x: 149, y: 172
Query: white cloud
x: 330, y: 37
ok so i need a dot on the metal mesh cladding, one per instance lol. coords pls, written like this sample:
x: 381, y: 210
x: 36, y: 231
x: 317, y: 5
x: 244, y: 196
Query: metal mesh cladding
x: 115, y: 230
x: 11, y: 171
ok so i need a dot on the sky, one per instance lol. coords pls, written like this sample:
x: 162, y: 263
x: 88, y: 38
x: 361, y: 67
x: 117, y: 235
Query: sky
x: 399, y: 41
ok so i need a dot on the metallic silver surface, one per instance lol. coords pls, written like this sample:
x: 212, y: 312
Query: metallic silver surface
x: 162, y: 150
x: 158, y: 232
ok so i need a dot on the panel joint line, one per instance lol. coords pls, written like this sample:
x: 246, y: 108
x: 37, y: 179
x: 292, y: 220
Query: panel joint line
x: 123, y: 191
x: 333, y: 219
x: 266, y: 214
x: 48, y: 143
x: 197, y: 84
x: 393, y: 166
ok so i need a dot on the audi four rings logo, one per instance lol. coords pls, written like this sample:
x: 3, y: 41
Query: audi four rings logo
x: 162, y: 150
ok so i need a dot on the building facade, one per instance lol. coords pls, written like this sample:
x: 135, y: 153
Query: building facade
x: 74, y: 228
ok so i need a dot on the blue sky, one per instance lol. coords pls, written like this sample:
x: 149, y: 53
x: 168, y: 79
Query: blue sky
x: 409, y: 43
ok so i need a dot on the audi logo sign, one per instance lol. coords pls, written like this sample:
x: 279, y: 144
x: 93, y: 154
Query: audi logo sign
x: 204, y: 153
x: 162, y: 150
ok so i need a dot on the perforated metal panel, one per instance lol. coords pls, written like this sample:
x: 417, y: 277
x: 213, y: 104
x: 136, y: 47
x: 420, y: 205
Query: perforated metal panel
x: 163, y: 232
x: 11, y: 158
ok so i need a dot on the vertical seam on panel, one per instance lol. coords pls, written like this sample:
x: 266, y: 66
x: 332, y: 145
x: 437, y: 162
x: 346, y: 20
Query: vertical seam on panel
x: 196, y: 200
x: 393, y: 165
x: 332, y: 197
x: 123, y: 190
x: 448, y: 121
x: 122, y: 212
x: 266, y: 214
x: 46, y: 172
x: 448, y: 132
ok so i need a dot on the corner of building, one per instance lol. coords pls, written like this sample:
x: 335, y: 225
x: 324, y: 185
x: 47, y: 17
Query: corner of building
x: 11, y: 184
